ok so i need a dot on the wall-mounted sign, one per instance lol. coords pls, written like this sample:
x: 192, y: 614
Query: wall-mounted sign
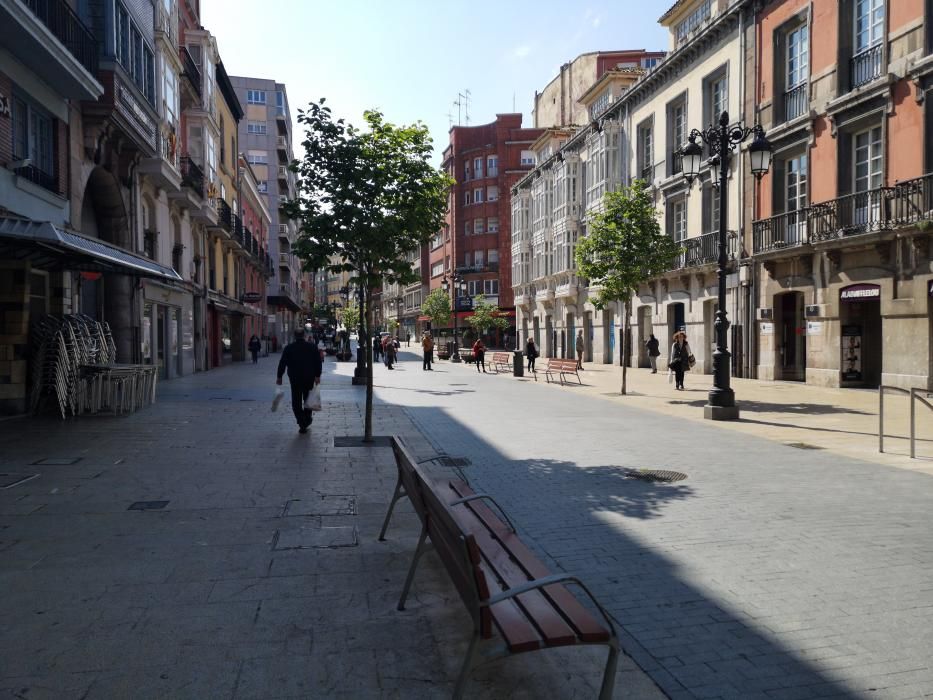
x: 860, y: 292
x: 251, y: 297
x: 765, y: 314
x: 814, y: 327
x: 464, y: 304
x: 811, y: 310
x: 766, y: 328
x: 5, y: 106
x: 851, y: 339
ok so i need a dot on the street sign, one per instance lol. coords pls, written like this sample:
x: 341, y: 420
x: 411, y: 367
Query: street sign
x: 464, y: 304
x: 251, y: 297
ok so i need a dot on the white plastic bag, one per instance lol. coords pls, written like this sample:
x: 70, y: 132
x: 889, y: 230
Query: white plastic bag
x: 313, y: 402
x: 277, y: 397
x: 670, y: 376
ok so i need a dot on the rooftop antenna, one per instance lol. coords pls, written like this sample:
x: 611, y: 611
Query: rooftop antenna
x: 466, y: 108
x: 450, y: 119
x: 459, y: 103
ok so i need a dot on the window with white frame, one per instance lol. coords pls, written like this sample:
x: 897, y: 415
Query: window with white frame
x: 468, y: 197
x: 478, y: 195
x: 258, y: 157
x: 867, y: 158
x: 717, y: 96
x: 34, y: 138
x: 256, y: 97
x: 255, y: 127
x: 492, y: 166
x: 795, y: 183
x: 479, y: 226
x: 600, y: 104
x: 133, y: 53
x: 466, y: 170
x: 677, y: 123
x: 262, y: 185
x: 474, y: 288
x: 492, y: 255
x: 492, y: 193
x: 437, y: 269
x: 685, y: 28
x: 646, y: 150
x: 437, y: 241
x: 528, y: 158
x: 677, y: 218
x: 478, y: 258
x: 491, y: 287
x: 798, y: 61
x: 651, y: 62
x: 477, y: 167
x: 492, y: 224
x: 170, y: 92
x: 868, y: 24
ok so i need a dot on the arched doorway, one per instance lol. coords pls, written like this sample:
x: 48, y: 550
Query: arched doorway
x: 790, y: 328
x: 103, y: 216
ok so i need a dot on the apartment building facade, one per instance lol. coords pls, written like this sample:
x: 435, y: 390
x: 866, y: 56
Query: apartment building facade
x: 841, y: 225
x: 266, y: 139
x: 475, y: 243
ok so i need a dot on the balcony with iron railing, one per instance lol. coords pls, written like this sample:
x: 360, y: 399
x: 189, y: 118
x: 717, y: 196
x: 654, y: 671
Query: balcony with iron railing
x: 225, y: 216
x: 704, y: 250
x: 796, y: 102
x: 37, y: 176
x: 902, y: 204
x: 68, y: 28
x: 481, y: 267
x: 192, y: 176
x: 865, y: 66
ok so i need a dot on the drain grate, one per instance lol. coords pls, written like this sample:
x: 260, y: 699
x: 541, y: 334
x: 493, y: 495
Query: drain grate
x: 454, y: 461
x: 8, y: 481
x: 803, y: 446
x: 148, y: 505
x: 655, y: 475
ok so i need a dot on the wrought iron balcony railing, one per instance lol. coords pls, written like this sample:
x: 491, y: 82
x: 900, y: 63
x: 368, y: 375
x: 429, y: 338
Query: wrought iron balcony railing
x: 704, y: 250
x: 905, y: 203
x: 865, y: 66
x: 795, y: 102
x: 224, y: 216
x: 68, y: 29
x: 40, y: 177
x: 192, y: 176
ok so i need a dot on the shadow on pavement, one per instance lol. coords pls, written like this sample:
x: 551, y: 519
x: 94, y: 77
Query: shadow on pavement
x: 690, y: 643
x: 819, y: 409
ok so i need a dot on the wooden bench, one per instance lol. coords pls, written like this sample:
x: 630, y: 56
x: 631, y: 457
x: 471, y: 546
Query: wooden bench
x: 501, y: 361
x: 560, y: 368
x: 504, y: 586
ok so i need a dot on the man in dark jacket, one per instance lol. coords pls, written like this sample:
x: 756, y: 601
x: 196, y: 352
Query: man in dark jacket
x: 303, y: 362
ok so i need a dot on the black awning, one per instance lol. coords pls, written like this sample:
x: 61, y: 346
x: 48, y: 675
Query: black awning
x: 285, y: 301
x: 48, y: 247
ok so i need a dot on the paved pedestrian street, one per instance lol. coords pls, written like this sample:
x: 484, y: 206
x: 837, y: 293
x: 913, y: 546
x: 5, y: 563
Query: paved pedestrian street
x: 202, y: 548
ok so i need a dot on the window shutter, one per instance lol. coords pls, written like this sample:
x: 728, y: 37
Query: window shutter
x: 844, y: 158
x: 779, y: 187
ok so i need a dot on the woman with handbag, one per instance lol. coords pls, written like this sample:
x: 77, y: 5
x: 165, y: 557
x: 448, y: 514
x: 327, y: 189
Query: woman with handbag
x: 680, y: 358
x: 531, y: 352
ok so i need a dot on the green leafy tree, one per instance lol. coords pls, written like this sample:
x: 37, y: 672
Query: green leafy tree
x: 623, y: 249
x: 350, y: 316
x: 436, y: 306
x: 392, y: 325
x: 367, y: 199
x: 486, y: 315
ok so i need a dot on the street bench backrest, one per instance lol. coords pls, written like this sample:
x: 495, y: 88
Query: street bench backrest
x: 501, y: 357
x: 411, y: 476
x: 460, y: 554
x: 562, y: 365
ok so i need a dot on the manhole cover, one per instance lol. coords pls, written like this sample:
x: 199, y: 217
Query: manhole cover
x: 57, y: 461
x: 454, y: 461
x: 8, y: 481
x: 315, y: 538
x: 148, y: 505
x: 357, y: 441
x: 803, y: 446
x: 661, y: 475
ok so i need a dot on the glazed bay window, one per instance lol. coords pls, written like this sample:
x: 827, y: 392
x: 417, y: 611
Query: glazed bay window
x: 256, y: 97
x: 492, y: 166
x: 132, y: 52
x: 868, y: 41
x: 34, y: 140
x: 694, y: 20
x: 798, y: 72
x: 477, y: 167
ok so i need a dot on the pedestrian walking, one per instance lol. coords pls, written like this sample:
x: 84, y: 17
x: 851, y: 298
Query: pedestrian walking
x: 386, y: 343
x: 479, y: 355
x: 377, y: 349
x: 391, y: 352
x: 680, y: 358
x: 654, y: 349
x: 302, y: 361
x: 408, y: 339
x: 427, y: 346
x: 580, y: 347
x: 255, y: 345
x: 531, y: 352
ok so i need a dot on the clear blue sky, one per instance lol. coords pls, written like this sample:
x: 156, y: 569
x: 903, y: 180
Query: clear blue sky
x: 410, y: 58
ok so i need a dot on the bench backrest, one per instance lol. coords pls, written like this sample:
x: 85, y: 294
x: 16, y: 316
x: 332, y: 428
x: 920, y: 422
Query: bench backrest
x: 563, y: 365
x: 501, y: 357
x: 411, y: 476
x: 460, y: 554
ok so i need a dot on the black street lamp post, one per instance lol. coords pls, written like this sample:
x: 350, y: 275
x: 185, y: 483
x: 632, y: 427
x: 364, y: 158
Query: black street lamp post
x: 457, y: 284
x: 721, y: 140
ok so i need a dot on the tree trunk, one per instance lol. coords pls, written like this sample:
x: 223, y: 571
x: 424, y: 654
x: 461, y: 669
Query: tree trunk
x: 627, y: 311
x: 368, y: 429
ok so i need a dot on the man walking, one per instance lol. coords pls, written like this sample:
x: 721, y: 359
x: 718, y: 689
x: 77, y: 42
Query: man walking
x: 580, y: 347
x: 303, y: 362
x: 653, y: 347
x: 427, y: 345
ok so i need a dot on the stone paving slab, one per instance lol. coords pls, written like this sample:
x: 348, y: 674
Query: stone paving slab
x: 194, y: 600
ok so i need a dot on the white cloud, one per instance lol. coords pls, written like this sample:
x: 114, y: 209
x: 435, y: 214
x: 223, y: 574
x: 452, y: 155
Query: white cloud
x: 522, y: 51
x: 597, y: 21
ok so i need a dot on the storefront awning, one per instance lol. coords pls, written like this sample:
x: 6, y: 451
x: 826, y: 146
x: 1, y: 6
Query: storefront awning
x: 49, y: 247
x: 283, y: 301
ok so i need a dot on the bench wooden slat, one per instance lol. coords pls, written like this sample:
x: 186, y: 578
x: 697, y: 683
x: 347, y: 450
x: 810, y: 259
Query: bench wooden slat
x: 587, y: 626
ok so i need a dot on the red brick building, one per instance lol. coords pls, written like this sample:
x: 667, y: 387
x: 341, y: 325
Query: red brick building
x: 486, y: 161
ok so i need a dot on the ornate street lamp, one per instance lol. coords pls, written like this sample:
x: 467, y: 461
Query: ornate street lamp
x: 721, y: 140
x: 457, y: 284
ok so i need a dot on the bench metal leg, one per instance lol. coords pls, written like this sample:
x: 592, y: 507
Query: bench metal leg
x: 419, y: 550
x: 609, y: 675
x: 397, y: 495
x: 464, y: 676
